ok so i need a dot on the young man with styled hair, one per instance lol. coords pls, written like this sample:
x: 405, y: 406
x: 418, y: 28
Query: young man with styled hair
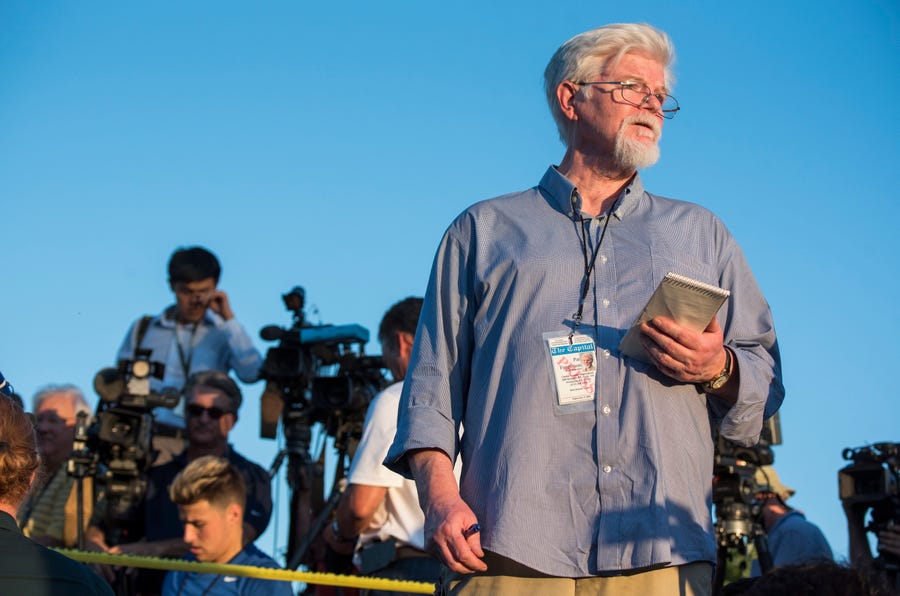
x: 211, y: 495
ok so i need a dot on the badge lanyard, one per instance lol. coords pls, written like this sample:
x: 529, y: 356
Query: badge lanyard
x: 186, y: 361
x: 588, y: 262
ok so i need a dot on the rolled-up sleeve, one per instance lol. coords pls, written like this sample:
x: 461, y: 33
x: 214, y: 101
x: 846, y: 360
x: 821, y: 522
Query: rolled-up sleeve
x: 433, y: 399
x: 750, y: 333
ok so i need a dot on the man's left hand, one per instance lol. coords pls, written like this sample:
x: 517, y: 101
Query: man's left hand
x: 219, y: 304
x: 682, y: 353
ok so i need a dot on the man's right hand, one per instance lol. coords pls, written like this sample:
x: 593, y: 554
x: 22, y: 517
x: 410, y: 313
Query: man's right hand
x: 889, y: 541
x: 446, y: 521
x: 447, y: 516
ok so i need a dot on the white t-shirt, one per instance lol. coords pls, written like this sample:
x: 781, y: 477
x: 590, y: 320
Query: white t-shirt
x: 399, y: 515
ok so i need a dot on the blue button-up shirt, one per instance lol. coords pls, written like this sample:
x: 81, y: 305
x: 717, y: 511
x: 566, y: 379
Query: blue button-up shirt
x: 572, y: 491
x: 216, y: 344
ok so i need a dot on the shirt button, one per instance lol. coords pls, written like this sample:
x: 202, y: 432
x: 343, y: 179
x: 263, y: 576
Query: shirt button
x: 606, y: 410
x: 602, y: 258
x: 605, y: 303
x: 606, y: 353
x: 607, y: 469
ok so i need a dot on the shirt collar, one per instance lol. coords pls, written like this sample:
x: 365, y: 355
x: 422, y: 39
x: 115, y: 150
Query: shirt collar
x: 561, y: 193
x: 8, y: 522
x: 166, y: 319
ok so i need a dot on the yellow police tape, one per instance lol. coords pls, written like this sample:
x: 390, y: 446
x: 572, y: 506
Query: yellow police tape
x: 325, y: 579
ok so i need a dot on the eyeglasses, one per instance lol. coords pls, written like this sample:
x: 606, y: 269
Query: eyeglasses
x: 51, y: 417
x: 214, y: 412
x: 204, y: 294
x: 638, y: 94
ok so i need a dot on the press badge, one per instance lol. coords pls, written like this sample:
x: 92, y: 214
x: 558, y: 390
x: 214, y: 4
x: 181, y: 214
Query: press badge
x: 574, y: 362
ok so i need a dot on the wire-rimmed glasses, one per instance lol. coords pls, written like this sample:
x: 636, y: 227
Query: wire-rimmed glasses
x: 638, y: 94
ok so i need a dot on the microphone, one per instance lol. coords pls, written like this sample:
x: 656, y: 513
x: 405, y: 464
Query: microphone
x: 271, y: 332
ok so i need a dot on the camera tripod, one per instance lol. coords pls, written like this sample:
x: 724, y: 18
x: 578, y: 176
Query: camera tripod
x: 309, y: 510
x: 738, y: 525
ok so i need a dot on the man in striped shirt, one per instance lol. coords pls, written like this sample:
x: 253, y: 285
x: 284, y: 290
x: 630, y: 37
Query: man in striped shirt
x: 49, y: 514
x: 583, y: 479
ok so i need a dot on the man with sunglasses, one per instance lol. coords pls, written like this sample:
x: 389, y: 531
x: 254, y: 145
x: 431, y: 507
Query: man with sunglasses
x: 212, y: 402
x: 198, y: 332
x: 583, y: 479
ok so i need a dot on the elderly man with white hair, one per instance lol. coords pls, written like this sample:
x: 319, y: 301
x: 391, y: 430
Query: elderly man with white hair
x: 582, y: 479
x: 49, y: 515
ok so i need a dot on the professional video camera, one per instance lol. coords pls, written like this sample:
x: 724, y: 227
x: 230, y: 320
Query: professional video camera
x: 298, y: 370
x: 115, y: 447
x: 738, y: 512
x: 872, y: 482
x: 315, y: 374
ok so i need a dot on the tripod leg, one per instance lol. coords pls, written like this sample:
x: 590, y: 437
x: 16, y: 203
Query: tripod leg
x: 300, y: 511
x: 79, y: 512
x: 314, y: 530
x: 719, y: 576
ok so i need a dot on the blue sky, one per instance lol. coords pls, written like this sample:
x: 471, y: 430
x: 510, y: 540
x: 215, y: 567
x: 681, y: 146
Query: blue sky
x: 330, y: 145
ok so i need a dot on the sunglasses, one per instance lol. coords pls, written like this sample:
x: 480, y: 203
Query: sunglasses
x: 214, y: 413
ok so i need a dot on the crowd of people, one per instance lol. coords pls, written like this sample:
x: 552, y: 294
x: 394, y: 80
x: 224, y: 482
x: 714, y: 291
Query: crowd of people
x: 497, y: 462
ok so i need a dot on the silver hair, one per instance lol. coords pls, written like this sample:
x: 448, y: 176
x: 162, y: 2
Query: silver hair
x: 218, y: 380
x: 70, y: 391
x: 599, y: 50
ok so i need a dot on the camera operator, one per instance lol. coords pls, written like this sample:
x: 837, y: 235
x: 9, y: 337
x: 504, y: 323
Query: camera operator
x: 379, y: 512
x: 869, y: 488
x: 48, y: 516
x: 213, y: 400
x: 791, y: 538
x: 860, y: 552
x: 199, y: 332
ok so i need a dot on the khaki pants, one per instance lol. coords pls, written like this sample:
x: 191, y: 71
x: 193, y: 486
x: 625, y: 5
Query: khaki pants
x: 694, y: 579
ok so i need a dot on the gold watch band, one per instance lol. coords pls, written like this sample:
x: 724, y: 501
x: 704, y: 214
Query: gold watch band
x: 720, y: 379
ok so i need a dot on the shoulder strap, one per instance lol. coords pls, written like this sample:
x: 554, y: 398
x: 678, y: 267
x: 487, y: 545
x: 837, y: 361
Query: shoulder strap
x: 142, y: 326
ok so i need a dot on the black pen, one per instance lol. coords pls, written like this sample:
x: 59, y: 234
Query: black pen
x: 471, y: 530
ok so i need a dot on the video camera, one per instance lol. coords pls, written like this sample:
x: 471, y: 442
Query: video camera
x: 872, y: 481
x: 115, y: 446
x: 315, y: 374
x: 874, y: 476
x: 320, y: 373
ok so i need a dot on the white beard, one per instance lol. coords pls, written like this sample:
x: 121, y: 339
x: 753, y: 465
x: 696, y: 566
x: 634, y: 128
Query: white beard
x: 632, y: 154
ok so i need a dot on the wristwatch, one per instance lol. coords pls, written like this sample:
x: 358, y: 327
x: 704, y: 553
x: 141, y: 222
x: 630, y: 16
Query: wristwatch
x: 337, y: 533
x: 720, y: 379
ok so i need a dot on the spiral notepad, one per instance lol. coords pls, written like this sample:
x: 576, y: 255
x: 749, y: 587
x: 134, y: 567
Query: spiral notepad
x: 687, y: 301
